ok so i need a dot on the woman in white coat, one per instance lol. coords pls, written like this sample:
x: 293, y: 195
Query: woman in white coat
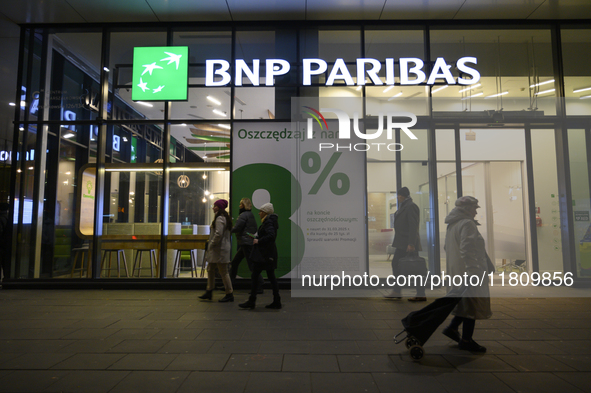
x: 219, y: 247
x: 466, y: 253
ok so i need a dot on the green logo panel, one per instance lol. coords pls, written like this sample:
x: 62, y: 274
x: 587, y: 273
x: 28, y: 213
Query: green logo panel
x: 280, y: 184
x: 160, y: 73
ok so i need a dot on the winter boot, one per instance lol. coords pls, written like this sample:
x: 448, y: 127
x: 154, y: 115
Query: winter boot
x: 228, y: 298
x: 276, y: 305
x: 250, y: 303
x: 206, y: 295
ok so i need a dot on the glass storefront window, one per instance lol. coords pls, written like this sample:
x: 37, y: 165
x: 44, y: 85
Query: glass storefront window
x: 577, y: 75
x: 120, y: 66
x: 515, y: 67
x: 578, y: 142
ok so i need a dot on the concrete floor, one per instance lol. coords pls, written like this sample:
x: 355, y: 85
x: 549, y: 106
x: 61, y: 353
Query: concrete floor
x: 169, y: 341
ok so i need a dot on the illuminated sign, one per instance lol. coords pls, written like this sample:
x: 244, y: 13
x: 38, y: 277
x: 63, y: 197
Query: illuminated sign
x: 411, y: 71
x: 160, y: 73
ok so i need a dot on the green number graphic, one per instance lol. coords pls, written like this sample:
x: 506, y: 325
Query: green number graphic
x: 286, y: 193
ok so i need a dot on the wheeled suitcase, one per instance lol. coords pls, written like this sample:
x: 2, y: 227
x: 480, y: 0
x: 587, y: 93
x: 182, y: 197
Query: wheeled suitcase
x: 419, y: 325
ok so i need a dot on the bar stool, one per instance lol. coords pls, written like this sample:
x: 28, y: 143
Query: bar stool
x: 176, y: 268
x: 83, y: 251
x: 119, y: 253
x: 153, y: 262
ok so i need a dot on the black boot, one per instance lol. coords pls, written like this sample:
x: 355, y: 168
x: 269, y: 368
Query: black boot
x: 276, y: 305
x: 250, y: 303
x: 228, y: 298
x: 206, y: 295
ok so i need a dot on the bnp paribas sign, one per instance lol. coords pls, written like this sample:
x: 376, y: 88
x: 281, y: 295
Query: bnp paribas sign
x: 160, y: 73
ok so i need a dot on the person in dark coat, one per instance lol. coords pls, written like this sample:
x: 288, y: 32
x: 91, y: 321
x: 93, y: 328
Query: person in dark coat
x: 265, y: 243
x: 406, y: 238
x: 466, y: 254
x: 245, y: 228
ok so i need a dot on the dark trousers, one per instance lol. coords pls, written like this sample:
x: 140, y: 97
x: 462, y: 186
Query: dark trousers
x: 467, y: 329
x: 398, y: 255
x: 256, y: 273
x: 244, y: 253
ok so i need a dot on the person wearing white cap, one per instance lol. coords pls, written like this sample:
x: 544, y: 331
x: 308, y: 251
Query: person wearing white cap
x: 466, y: 254
x: 264, y: 256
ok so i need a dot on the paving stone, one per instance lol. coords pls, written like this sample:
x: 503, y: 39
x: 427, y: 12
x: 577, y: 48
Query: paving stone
x: 135, y: 334
x: 88, y: 382
x: 215, y: 382
x: 537, y: 382
x: 139, y: 346
x: 176, y: 334
x: 578, y: 379
x: 254, y: 362
x: 186, y: 346
x: 88, y: 361
x: 271, y: 382
x: 91, y: 334
x: 30, y: 380
x: 144, y: 362
x: 388, y: 382
x: 535, y: 363
x: 91, y: 346
x: 366, y: 363
x: 479, y: 363
x: 343, y: 383
x: 35, y: 361
x: 310, y: 363
x: 577, y: 362
x: 199, y: 362
x: 151, y: 382
x: 235, y: 347
x: 429, y: 364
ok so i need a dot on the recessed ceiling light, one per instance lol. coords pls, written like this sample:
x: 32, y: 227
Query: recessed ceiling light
x: 441, y: 88
x: 210, y: 98
x: 470, y: 87
x: 498, y: 94
x: 541, y: 83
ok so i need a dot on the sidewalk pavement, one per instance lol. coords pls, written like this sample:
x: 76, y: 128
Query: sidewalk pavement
x: 124, y: 341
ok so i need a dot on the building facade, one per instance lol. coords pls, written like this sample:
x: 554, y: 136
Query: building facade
x: 503, y: 113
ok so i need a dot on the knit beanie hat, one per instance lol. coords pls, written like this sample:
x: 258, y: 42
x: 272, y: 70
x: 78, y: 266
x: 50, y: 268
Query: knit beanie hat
x: 267, y: 208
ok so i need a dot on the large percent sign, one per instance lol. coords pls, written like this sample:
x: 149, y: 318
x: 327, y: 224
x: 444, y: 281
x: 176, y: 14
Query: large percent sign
x: 311, y: 163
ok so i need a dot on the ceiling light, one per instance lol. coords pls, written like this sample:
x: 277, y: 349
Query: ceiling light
x: 204, y: 200
x: 31, y: 168
x: 359, y: 88
x: 574, y: 91
x: 224, y: 126
x: 70, y: 135
x: 545, y: 91
x: 219, y: 113
x: 68, y: 173
x: 210, y: 98
x: 11, y: 104
x: 204, y: 176
x: 18, y: 170
x: 541, y: 83
x: 23, y: 103
x: 211, y: 196
x: 441, y: 88
x: 498, y: 94
x: 144, y: 103
x: 470, y: 87
x: 206, y: 192
x: 473, y: 95
x: 106, y: 69
x: 387, y: 89
x: 21, y: 128
x: 394, y: 96
x: 584, y: 97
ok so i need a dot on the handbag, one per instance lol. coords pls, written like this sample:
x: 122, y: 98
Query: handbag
x: 412, y: 265
x: 256, y: 256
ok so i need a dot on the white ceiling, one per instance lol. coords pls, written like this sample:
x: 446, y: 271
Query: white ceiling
x: 88, y: 11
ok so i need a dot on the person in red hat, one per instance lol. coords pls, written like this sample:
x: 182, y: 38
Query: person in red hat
x: 218, y: 251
